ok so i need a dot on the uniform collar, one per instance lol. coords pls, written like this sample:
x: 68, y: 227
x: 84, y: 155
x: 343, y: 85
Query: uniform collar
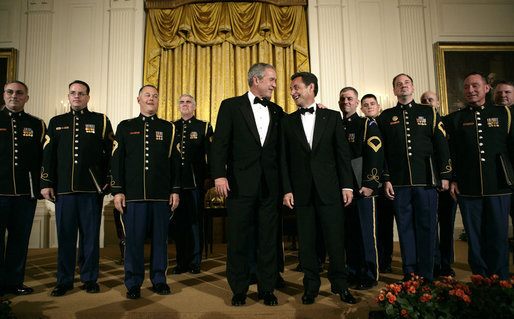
x: 353, y: 117
x: 83, y: 111
x: 13, y: 114
x: 147, y: 118
x: 405, y: 106
x: 475, y: 108
x: 187, y: 121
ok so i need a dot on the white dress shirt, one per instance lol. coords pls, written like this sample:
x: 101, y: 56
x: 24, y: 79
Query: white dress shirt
x: 308, y: 120
x: 261, y: 115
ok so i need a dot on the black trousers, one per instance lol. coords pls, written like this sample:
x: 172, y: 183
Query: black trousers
x: 242, y: 211
x: 331, y: 219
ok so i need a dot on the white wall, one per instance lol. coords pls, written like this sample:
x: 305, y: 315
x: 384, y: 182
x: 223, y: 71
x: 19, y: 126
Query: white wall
x: 361, y: 43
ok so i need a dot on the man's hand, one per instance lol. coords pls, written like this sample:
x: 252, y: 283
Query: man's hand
x: 321, y: 106
x: 388, y: 190
x: 288, y: 200
x: 48, y: 193
x: 222, y: 187
x: 174, y: 200
x: 119, y: 202
x: 365, y: 191
x: 445, y: 185
x: 454, y: 190
x: 347, y: 196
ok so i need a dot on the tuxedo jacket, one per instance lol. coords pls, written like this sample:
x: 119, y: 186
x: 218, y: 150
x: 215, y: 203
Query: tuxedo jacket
x: 326, y: 167
x: 236, y: 151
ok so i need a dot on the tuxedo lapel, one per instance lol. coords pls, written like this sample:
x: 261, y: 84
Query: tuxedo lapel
x: 299, y: 131
x: 246, y: 110
x: 272, y: 120
x: 320, y: 123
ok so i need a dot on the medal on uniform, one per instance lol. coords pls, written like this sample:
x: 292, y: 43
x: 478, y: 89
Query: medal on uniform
x: 159, y: 135
x: 90, y: 128
x: 421, y: 120
x: 27, y: 131
x: 193, y: 135
x: 493, y: 122
x: 351, y: 137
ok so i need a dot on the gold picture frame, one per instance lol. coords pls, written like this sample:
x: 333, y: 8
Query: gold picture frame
x: 456, y: 59
x: 7, y: 65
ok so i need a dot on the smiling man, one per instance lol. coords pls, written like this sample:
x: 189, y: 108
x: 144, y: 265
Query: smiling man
x: 482, y: 145
x: 244, y: 165
x: 74, y: 172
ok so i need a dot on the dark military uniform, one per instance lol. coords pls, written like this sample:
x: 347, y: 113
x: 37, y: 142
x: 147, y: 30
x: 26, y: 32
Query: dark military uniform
x: 480, y: 139
x: 21, y: 144
x: 193, y: 142
x: 416, y: 153
x: 145, y: 168
x: 75, y: 156
x: 365, y: 141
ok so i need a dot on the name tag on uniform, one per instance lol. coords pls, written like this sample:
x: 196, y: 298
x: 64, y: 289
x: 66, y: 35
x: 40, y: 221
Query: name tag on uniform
x: 3, y: 129
x: 351, y: 137
x: 193, y: 135
x: 159, y: 135
x: 493, y: 122
x: 58, y: 128
x: 468, y: 124
x: 421, y: 120
x: 133, y: 133
x: 394, y: 120
x: 90, y: 128
x: 27, y: 131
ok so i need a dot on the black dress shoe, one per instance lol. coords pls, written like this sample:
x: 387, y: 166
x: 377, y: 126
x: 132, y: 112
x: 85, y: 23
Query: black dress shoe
x: 308, y: 299
x: 366, y: 284
x: 161, y: 289
x: 91, y: 287
x: 60, y: 290
x: 19, y: 290
x: 280, y: 283
x: 347, y: 297
x: 194, y: 269
x: 269, y: 298
x: 238, y: 300
x: 298, y: 268
x: 179, y: 270
x: 134, y: 292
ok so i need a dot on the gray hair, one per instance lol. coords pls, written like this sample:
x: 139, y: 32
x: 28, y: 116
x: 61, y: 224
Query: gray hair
x: 258, y: 70
x: 188, y: 95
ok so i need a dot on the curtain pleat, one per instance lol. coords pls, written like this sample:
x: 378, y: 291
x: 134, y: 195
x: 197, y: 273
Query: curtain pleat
x: 206, y: 49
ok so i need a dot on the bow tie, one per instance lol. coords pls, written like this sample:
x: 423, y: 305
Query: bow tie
x: 306, y: 110
x: 263, y: 102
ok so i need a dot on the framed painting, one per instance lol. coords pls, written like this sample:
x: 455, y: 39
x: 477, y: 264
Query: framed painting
x: 454, y: 60
x: 7, y: 66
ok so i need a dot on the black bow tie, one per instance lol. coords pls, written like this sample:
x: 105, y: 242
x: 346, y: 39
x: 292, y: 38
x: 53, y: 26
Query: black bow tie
x: 261, y: 101
x: 307, y: 110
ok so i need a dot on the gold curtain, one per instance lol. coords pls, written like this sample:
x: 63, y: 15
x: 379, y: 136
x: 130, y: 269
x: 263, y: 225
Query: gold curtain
x: 206, y: 49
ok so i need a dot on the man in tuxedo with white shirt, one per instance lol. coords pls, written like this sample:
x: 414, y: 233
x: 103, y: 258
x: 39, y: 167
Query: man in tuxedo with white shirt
x: 244, y: 166
x: 316, y: 177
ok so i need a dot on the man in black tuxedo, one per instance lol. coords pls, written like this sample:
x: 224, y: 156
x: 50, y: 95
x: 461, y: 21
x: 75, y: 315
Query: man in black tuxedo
x: 316, y: 176
x: 244, y: 164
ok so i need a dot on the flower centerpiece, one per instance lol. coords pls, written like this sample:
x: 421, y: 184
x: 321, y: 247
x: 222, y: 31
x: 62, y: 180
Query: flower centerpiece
x: 448, y: 298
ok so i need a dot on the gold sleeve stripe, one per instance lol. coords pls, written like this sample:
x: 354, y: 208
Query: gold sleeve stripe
x: 105, y: 123
x: 178, y: 148
x: 509, y: 118
x: 365, y: 130
x: 172, y: 138
x: 114, y: 147
x: 441, y: 128
x: 435, y: 119
x: 47, y: 140
x: 206, y: 128
x: 43, y: 133
x: 372, y: 145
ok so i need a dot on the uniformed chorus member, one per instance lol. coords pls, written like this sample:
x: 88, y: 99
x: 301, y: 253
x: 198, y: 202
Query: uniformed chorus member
x: 74, y: 174
x: 21, y: 143
x: 193, y: 140
x: 482, y: 146
x: 145, y: 184
x: 417, y: 161
x: 365, y: 142
x: 446, y: 211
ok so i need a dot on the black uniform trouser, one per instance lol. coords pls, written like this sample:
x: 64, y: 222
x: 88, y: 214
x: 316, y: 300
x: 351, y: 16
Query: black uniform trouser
x: 332, y: 222
x: 77, y: 212
x: 138, y: 218
x: 446, y: 210
x: 486, y: 221
x: 187, y: 222
x: 16, y: 216
x: 242, y: 212
x: 385, y: 234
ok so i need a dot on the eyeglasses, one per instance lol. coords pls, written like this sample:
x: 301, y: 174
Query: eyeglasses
x: 12, y: 92
x: 81, y: 94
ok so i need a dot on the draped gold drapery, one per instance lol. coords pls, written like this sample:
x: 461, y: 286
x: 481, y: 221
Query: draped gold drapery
x: 206, y: 49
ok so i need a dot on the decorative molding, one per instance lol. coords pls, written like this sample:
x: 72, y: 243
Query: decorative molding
x: 410, y: 3
x: 171, y: 4
x: 40, y: 5
x: 123, y: 4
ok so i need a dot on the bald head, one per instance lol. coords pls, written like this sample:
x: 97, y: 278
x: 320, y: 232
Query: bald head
x: 430, y: 97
